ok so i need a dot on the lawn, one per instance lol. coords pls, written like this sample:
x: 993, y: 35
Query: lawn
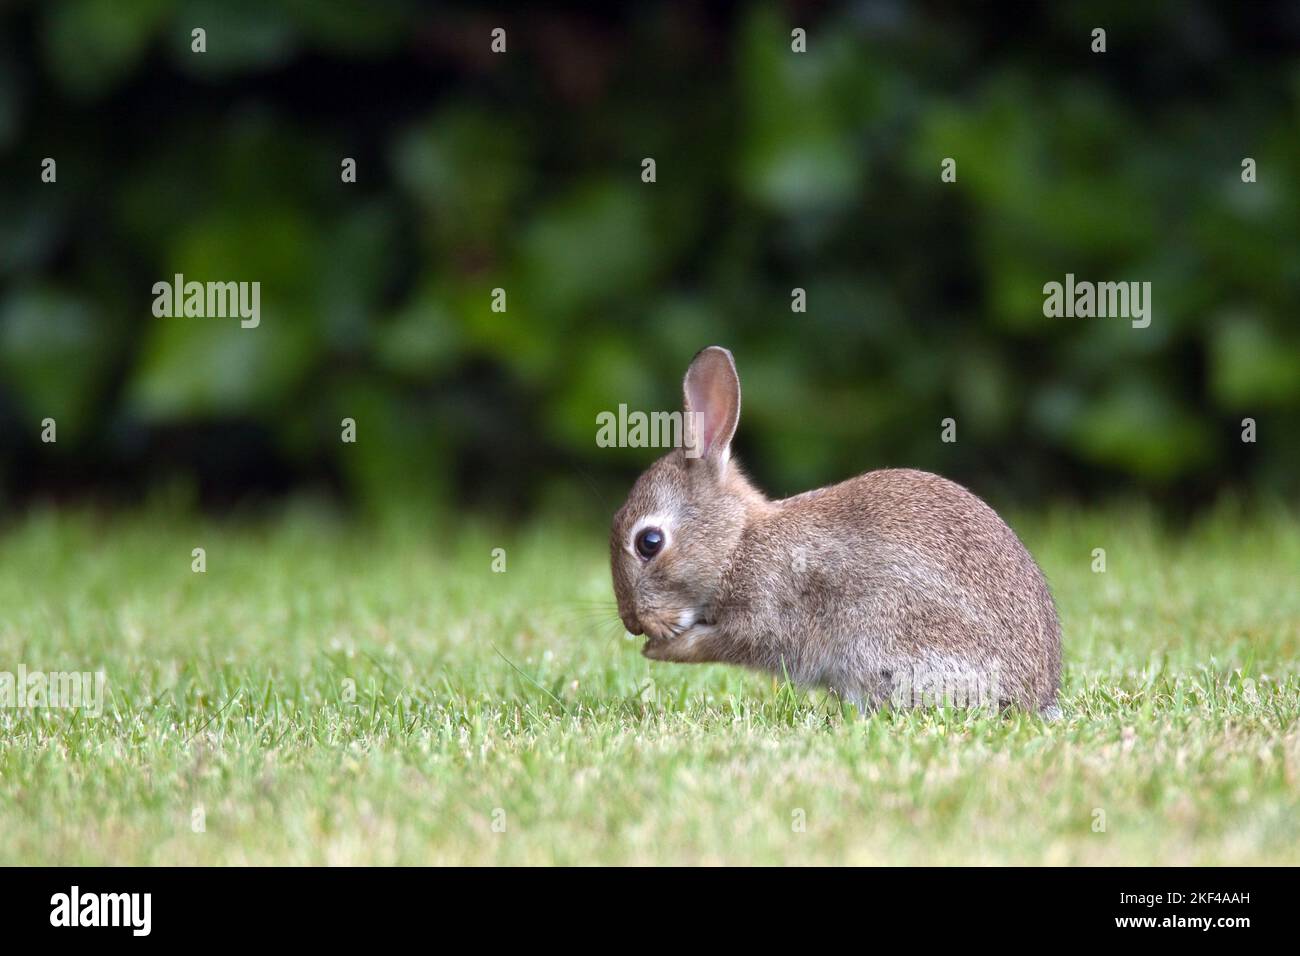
x: 333, y: 692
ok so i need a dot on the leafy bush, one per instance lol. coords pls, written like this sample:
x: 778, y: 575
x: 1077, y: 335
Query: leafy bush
x: 522, y: 171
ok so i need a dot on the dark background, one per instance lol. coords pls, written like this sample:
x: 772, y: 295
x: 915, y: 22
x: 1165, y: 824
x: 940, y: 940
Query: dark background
x: 522, y: 171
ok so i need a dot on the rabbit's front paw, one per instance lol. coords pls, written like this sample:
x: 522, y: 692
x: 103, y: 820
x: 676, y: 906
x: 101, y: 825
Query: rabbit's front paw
x: 691, y: 645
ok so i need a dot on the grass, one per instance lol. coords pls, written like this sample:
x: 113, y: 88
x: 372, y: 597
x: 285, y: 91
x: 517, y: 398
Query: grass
x: 327, y: 693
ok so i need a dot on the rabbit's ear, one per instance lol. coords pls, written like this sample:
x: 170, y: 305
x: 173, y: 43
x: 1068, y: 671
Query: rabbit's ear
x: 712, y: 398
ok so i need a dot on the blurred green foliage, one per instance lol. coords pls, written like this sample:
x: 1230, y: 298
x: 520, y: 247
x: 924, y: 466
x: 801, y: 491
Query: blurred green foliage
x: 521, y: 171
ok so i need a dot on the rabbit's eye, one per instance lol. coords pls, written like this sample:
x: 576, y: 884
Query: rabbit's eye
x: 649, y: 542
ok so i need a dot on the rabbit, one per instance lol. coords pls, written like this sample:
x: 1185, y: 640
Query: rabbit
x: 896, y: 587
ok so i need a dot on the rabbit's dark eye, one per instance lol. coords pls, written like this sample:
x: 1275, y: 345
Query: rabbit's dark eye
x: 649, y: 542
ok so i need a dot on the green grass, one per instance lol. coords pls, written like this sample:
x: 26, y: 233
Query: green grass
x: 329, y: 693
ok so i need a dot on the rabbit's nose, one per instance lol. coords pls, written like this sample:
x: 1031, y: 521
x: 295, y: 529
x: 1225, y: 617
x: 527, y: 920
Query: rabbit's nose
x: 631, y: 623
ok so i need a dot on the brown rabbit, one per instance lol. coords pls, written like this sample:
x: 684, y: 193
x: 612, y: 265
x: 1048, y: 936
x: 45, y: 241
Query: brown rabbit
x: 897, y: 585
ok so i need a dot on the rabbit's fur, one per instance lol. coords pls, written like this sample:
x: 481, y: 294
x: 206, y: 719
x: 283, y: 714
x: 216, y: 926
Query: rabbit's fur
x: 897, y: 585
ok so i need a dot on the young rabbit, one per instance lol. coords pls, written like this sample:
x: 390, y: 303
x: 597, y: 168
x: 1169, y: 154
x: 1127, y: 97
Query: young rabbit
x: 897, y: 585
